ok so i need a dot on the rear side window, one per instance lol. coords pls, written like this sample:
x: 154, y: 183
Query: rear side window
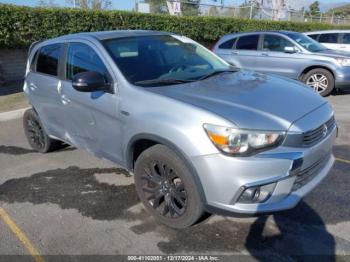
x: 346, y: 39
x: 33, y: 62
x: 48, y: 59
x: 249, y: 42
x: 82, y: 58
x: 228, y: 44
x: 328, y: 38
x: 314, y: 36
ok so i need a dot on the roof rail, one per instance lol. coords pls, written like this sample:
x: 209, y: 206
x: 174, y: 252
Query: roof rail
x: 33, y: 45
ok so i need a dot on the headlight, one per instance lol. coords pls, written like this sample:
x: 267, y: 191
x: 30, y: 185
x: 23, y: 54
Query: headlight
x: 343, y: 61
x: 242, y: 142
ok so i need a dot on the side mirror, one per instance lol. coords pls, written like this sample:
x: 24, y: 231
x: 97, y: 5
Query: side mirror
x: 290, y: 49
x: 89, y: 82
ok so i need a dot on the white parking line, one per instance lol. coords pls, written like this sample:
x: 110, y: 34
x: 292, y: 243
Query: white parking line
x: 343, y: 160
x: 5, y: 217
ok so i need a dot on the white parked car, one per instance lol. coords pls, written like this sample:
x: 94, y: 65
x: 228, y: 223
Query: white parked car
x: 333, y: 39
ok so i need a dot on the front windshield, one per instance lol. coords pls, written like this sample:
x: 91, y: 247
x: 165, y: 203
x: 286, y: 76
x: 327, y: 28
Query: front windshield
x: 162, y: 59
x: 307, y: 42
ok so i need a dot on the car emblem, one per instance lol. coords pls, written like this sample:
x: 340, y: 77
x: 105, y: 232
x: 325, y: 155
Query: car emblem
x: 324, y: 130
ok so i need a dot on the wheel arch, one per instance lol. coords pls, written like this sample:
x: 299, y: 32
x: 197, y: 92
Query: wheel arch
x: 141, y: 142
x: 309, y: 68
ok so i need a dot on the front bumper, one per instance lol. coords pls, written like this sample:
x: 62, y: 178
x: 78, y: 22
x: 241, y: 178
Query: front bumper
x: 342, y: 77
x: 223, y: 178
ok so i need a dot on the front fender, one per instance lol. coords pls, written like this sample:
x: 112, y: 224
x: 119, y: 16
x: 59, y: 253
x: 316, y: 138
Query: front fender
x: 179, y: 152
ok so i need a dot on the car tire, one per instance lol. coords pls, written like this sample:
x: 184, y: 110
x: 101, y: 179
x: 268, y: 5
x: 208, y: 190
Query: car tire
x: 36, y: 135
x: 321, y: 80
x: 166, y: 187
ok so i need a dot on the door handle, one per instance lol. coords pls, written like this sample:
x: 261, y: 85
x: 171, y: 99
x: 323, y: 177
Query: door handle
x: 234, y: 52
x: 65, y: 100
x: 264, y: 54
x: 32, y: 87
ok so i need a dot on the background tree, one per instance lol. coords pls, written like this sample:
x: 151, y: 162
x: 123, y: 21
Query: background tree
x: 341, y: 11
x: 91, y: 4
x: 314, y: 9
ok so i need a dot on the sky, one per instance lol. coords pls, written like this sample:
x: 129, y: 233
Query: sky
x: 117, y: 4
x: 129, y: 4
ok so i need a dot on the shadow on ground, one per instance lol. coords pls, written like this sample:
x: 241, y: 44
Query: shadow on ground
x: 343, y: 91
x: 283, y: 236
x: 342, y: 151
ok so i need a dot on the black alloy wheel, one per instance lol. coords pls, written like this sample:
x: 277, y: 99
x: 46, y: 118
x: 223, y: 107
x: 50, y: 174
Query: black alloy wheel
x: 167, y: 187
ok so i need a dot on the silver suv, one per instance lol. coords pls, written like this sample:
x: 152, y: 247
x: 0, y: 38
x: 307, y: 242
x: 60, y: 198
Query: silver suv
x: 288, y: 54
x: 199, y: 135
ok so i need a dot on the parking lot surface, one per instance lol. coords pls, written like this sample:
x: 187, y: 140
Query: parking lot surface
x: 69, y: 202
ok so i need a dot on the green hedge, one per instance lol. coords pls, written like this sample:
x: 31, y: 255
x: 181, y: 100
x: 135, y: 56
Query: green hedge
x: 20, y: 26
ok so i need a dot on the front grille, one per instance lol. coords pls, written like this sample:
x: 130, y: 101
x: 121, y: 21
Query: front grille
x: 313, y: 136
x: 306, y: 175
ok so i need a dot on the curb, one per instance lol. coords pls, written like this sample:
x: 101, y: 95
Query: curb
x: 10, y: 115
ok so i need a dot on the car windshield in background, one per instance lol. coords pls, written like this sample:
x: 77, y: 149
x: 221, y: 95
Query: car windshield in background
x: 163, y: 60
x: 307, y: 42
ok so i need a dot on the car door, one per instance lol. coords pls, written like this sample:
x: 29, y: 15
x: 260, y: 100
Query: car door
x: 273, y: 59
x: 226, y: 52
x: 94, y: 122
x: 345, y: 42
x: 330, y: 40
x: 245, y: 51
x: 42, y: 82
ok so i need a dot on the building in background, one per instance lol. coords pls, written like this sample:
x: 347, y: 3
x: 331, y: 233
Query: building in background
x: 143, y: 7
x: 274, y: 9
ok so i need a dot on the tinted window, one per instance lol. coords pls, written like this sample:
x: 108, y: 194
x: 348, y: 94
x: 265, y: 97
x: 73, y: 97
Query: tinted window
x: 82, y: 58
x: 162, y: 57
x: 346, y: 38
x: 32, y: 64
x: 314, y: 36
x: 249, y: 42
x: 48, y: 59
x: 228, y: 44
x: 307, y: 42
x: 328, y: 38
x: 275, y: 43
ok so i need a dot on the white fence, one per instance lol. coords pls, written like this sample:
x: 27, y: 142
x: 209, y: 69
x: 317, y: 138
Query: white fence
x: 248, y: 12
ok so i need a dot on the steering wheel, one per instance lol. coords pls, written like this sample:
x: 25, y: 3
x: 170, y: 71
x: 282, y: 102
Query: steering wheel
x: 177, y: 67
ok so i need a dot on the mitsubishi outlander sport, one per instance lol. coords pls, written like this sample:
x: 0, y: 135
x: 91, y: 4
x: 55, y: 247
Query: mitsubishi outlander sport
x: 198, y: 135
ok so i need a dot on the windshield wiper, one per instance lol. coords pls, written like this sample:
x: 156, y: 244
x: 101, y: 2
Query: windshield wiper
x: 217, y: 72
x: 162, y: 81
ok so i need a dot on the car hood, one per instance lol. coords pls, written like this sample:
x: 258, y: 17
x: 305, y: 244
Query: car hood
x: 248, y: 99
x: 334, y: 53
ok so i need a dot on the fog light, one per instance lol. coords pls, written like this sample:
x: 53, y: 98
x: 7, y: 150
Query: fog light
x: 257, y: 194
